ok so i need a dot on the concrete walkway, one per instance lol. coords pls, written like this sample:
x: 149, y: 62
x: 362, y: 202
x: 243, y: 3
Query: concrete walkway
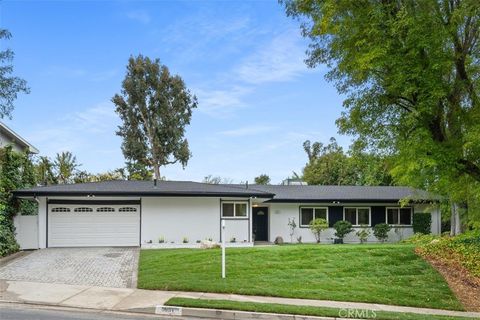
x: 126, y: 299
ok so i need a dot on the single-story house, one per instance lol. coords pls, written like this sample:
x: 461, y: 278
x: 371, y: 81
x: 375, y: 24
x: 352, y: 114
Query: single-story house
x: 183, y: 213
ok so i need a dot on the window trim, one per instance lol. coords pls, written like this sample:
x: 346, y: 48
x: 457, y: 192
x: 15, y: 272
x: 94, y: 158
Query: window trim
x: 398, y: 216
x: 356, y: 215
x: 300, y: 225
x: 235, y: 217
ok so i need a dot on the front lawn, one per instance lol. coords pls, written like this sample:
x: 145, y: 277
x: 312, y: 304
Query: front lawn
x: 387, y: 273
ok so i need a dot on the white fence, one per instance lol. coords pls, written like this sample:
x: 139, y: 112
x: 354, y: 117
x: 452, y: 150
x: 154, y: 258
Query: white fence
x: 26, y: 230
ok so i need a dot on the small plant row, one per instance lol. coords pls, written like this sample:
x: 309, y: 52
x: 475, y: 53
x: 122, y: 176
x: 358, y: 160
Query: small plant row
x: 342, y: 229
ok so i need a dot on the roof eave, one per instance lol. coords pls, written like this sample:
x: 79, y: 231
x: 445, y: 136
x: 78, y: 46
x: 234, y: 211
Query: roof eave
x: 33, y: 194
x: 338, y: 201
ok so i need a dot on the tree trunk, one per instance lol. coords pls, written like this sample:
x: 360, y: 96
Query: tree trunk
x: 156, y: 172
x: 455, y: 223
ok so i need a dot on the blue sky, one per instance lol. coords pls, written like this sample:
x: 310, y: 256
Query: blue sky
x: 258, y: 101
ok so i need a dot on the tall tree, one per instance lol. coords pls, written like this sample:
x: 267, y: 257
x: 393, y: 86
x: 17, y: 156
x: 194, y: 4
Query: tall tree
x: 155, y: 107
x: 410, y: 70
x: 44, y: 171
x: 66, y: 166
x: 10, y: 85
x: 262, y: 179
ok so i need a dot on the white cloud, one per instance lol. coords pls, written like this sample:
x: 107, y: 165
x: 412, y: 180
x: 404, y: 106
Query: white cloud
x: 248, y: 131
x: 280, y: 60
x: 78, y: 131
x: 139, y: 15
x: 221, y: 103
x: 97, y: 119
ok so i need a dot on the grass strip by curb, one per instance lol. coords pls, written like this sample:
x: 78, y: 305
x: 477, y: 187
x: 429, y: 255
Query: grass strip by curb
x: 302, y: 310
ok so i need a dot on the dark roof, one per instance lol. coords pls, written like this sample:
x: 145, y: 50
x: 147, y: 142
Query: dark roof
x: 142, y: 188
x: 276, y: 193
x: 306, y: 193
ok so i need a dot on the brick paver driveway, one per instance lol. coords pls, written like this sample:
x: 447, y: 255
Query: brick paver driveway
x: 105, y: 267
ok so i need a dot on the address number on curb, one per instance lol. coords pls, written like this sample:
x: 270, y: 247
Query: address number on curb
x: 167, y: 310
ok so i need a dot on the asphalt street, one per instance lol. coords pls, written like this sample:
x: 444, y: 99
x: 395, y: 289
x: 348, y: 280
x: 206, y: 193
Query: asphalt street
x: 9, y: 311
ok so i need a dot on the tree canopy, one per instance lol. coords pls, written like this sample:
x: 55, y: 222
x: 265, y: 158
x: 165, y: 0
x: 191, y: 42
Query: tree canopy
x: 155, y: 107
x: 330, y: 165
x: 410, y: 71
x: 10, y: 85
x: 262, y: 179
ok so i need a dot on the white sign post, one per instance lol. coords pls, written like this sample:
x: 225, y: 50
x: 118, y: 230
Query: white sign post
x: 223, y: 249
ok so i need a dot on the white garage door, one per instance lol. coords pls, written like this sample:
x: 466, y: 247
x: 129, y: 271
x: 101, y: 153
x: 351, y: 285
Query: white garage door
x: 93, y: 225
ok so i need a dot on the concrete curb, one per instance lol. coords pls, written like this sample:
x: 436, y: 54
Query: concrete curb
x: 17, y: 255
x: 242, y: 315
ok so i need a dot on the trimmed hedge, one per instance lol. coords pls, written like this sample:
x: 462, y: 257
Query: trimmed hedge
x: 422, y: 223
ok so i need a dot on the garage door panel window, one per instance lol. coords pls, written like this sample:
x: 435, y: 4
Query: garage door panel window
x: 357, y: 216
x: 234, y: 209
x: 106, y: 209
x: 307, y: 214
x: 399, y: 216
x: 83, y: 209
x: 60, y: 209
x: 127, y: 209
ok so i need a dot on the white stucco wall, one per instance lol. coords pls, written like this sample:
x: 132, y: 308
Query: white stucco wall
x: 175, y: 218
x: 6, y: 140
x: 26, y: 231
x: 237, y: 229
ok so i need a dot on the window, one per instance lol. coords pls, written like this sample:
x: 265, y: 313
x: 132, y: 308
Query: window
x: 234, y: 209
x: 83, y: 209
x: 357, y: 216
x: 61, y: 209
x: 399, y: 216
x: 106, y: 209
x: 127, y: 209
x: 307, y: 214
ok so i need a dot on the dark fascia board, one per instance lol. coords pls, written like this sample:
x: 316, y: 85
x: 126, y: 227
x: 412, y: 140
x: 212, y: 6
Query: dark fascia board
x: 27, y: 193
x: 339, y: 201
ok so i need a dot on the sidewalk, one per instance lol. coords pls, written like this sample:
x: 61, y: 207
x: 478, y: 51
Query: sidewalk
x: 137, y: 300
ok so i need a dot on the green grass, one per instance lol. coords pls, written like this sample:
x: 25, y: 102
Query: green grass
x: 383, y: 273
x: 301, y: 310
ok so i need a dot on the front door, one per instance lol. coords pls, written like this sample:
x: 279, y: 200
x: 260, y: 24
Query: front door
x: 260, y: 223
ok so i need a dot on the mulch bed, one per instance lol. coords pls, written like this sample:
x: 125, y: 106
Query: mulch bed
x: 464, y: 285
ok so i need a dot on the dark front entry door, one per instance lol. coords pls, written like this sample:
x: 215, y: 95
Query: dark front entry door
x: 260, y: 223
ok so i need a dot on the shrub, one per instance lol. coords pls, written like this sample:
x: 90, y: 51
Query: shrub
x: 342, y: 228
x: 422, y: 223
x: 317, y: 226
x: 380, y: 231
x: 363, y: 233
x: 420, y: 238
x: 464, y: 248
x: 8, y: 243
